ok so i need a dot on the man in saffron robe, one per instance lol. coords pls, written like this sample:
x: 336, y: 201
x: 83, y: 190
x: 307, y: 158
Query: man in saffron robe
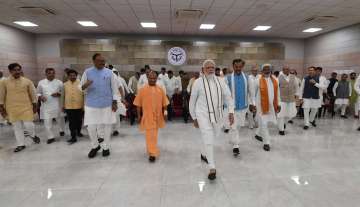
x: 265, y: 95
x: 151, y: 103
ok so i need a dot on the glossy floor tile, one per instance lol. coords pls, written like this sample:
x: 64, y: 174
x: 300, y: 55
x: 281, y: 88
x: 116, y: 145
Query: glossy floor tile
x: 318, y: 167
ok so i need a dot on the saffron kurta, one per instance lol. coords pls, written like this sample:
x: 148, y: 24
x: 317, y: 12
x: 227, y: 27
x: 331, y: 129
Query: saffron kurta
x: 151, y: 99
x: 18, y: 96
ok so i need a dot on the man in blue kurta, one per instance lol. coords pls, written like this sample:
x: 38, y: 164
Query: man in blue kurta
x: 239, y: 86
x: 100, y: 86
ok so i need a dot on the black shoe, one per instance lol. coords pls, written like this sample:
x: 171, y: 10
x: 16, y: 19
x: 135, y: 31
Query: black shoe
x: 313, y: 123
x: 72, y: 140
x: 290, y: 121
x: 306, y: 127
x: 19, y: 148
x: 344, y: 117
x: 282, y: 133
x: 93, y: 152
x: 358, y: 129
x: 260, y: 139
x: 212, y: 175
x: 106, y: 153
x: 115, y: 133
x: 62, y: 134
x: 100, y: 140
x: 266, y: 147
x: 226, y: 131
x: 79, y: 134
x: 236, y: 151
x: 49, y: 141
x: 152, y: 159
x: 204, y: 159
x: 36, y: 139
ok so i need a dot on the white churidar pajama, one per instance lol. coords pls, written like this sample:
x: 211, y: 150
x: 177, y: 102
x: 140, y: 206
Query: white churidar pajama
x: 199, y: 111
x: 19, y: 127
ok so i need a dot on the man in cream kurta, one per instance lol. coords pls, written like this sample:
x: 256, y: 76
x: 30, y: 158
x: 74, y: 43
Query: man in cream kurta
x: 49, y: 91
x: 18, y: 104
x: 266, y: 102
x: 206, y: 108
x: 289, y: 92
x: 101, y: 88
x: 252, y: 115
x: 238, y: 84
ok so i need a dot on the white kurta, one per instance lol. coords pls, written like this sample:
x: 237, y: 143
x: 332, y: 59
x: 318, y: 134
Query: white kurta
x: 288, y: 109
x: 125, y: 86
x: 171, y: 86
x: 52, y: 107
x: 256, y: 100
x: 121, y: 107
x: 341, y: 101
x: 95, y: 116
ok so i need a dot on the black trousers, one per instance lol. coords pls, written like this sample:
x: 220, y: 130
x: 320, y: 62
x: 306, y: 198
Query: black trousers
x: 75, y: 117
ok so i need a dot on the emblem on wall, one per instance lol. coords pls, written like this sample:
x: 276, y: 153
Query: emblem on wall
x: 176, y: 56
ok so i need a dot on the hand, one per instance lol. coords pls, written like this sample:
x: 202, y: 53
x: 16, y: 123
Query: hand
x: 43, y: 98
x: 312, y: 81
x: 3, y: 111
x: 253, y: 108
x: 87, y: 84
x: 301, y: 101
x: 296, y: 97
x: 57, y: 94
x: 114, y: 106
x: 34, y: 108
x: 196, y: 124
x: 278, y: 109
x: 231, y: 118
x: 63, y: 109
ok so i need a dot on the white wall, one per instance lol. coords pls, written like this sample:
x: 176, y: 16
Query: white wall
x: 17, y: 46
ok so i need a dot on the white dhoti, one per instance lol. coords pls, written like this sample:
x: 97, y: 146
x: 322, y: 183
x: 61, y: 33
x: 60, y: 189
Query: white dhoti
x: 120, y: 111
x: 341, y: 103
x: 51, y: 110
x: 209, y: 132
x: 310, y: 107
x: 287, y: 112
x: 19, y: 127
x: 264, y: 120
x: 96, y: 118
x: 239, y: 121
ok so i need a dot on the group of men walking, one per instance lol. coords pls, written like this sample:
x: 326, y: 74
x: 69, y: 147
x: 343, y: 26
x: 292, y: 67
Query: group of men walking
x: 97, y: 101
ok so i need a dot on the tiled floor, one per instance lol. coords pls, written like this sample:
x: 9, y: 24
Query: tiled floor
x: 304, y: 168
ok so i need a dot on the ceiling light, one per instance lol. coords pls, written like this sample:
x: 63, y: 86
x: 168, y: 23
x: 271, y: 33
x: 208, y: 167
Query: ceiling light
x: 207, y: 26
x: 148, y: 24
x: 87, y: 23
x: 26, y: 24
x: 313, y: 30
x: 262, y: 28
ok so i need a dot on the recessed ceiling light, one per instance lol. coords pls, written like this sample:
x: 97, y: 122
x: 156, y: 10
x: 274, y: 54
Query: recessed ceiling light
x: 207, y: 26
x: 148, y: 24
x: 262, y: 28
x: 87, y: 23
x: 313, y: 30
x: 26, y: 23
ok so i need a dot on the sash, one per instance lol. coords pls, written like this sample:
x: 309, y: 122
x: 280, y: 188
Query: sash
x: 217, y: 94
x: 264, y: 94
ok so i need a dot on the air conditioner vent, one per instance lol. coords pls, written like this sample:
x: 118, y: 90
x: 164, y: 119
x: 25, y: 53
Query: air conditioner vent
x: 36, y: 11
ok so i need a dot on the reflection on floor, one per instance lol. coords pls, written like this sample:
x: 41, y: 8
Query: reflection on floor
x: 304, y: 168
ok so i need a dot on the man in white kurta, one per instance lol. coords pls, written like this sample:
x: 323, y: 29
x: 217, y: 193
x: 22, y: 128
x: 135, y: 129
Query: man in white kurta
x: 252, y: 115
x: 289, y: 92
x: 206, y: 108
x: 310, y: 95
x: 342, y: 92
x: 357, y: 89
x: 266, y: 102
x: 121, y: 110
x: 173, y: 86
x: 238, y: 84
x: 49, y: 91
x: 101, y: 98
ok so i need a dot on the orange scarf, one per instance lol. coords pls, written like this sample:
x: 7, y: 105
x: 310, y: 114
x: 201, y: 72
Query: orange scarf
x: 265, y: 95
